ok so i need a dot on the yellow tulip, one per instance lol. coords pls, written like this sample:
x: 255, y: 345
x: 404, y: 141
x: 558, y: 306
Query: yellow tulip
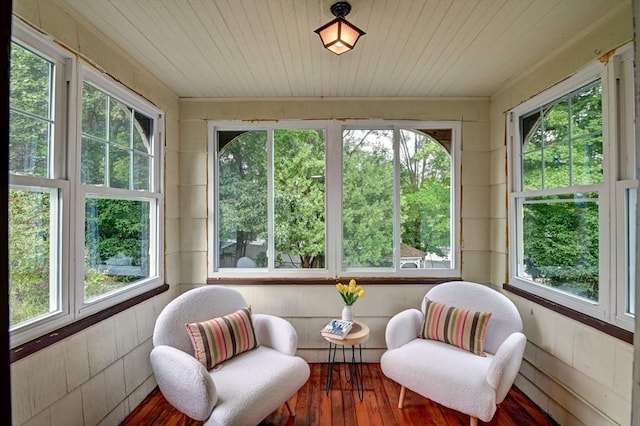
x: 339, y: 287
x: 361, y: 292
x: 352, y: 286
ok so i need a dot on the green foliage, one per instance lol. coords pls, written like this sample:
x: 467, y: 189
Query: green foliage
x: 115, y: 230
x: 29, y: 254
x: 561, y: 243
x: 29, y: 127
x: 367, y: 212
x: 116, y: 226
x: 299, y: 195
x: 242, y: 197
x: 425, y: 194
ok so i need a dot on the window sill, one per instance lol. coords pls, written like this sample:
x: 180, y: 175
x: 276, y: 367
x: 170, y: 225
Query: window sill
x: 611, y: 330
x: 35, y: 345
x: 328, y: 281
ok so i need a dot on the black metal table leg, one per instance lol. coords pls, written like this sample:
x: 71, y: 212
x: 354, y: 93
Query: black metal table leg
x: 355, y: 371
x: 330, y: 365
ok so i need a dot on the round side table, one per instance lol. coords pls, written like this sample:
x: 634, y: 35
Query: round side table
x: 358, y: 334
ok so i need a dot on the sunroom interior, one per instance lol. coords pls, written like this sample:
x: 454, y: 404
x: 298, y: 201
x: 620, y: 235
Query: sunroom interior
x: 460, y: 72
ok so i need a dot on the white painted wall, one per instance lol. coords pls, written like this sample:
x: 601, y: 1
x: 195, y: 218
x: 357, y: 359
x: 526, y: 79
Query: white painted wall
x: 574, y: 372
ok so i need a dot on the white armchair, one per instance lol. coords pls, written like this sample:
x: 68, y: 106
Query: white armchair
x: 447, y: 374
x: 242, y: 390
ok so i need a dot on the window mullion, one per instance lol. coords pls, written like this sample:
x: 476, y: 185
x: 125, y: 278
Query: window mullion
x: 107, y: 145
x: 131, y: 150
x: 333, y: 197
x: 397, y: 233
x: 270, y: 202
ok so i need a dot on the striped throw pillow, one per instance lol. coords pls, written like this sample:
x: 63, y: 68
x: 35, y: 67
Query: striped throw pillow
x: 219, y: 339
x: 461, y: 327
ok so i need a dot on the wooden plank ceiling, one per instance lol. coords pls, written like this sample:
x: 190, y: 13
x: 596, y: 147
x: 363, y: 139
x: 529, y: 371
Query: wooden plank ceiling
x: 267, y: 48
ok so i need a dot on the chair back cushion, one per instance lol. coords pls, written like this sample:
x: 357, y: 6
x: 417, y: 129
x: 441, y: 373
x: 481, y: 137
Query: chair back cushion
x: 197, y: 305
x: 505, y: 318
x: 457, y: 326
x: 221, y: 338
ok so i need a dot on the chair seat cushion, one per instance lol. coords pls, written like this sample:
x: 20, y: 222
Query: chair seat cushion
x: 426, y: 366
x: 253, y: 384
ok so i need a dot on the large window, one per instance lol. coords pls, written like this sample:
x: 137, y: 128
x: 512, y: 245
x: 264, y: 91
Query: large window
x: 84, y: 184
x: 119, y: 183
x: 569, y: 148
x: 337, y: 198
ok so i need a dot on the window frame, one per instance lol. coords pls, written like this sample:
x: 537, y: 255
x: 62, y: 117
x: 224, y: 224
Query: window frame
x: 154, y: 195
x: 333, y: 200
x: 70, y: 73
x: 618, y: 172
x: 61, y: 96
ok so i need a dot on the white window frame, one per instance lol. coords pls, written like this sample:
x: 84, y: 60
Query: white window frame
x: 153, y: 196
x: 333, y: 196
x: 64, y: 64
x: 68, y: 239
x: 619, y: 175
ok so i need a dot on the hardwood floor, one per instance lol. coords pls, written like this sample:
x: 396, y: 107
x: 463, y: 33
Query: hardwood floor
x: 343, y: 407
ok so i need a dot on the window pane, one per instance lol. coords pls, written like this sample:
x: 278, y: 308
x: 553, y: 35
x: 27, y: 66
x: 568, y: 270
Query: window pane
x: 30, y: 82
x: 532, y: 129
x: 556, y: 168
x: 31, y: 116
x: 299, y: 198
x: 586, y: 111
x: 117, y: 240
x: 33, y: 284
x: 556, y: 123
x: 532, y: 170
x: 119, y: 163
x: 242, y: 200
x: 560, y: 243
x: 94, y: 112
x: 587, y: 160
x: 367, y: 205
x: 119, y: 124
x: 29, y: 141
x: 141, y: 166
x: 92, y: 162
x: 142, y: 132
x: 425, y: 192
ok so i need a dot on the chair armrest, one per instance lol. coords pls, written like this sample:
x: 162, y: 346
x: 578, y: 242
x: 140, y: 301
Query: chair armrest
x: 403, y: 327
x: 184, y: 382
x: 505, y: 365
x: 275, y: 332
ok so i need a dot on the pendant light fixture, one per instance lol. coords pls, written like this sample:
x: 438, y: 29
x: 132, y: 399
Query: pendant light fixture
x: 339, y: 35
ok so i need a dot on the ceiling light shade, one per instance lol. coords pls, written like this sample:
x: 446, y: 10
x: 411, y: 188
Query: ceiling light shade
x: 339, y: 35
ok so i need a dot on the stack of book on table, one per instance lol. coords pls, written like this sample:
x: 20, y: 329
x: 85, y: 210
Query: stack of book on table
x: 336, y: 329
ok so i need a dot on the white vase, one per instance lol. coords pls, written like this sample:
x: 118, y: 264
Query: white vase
x: 347, y: 313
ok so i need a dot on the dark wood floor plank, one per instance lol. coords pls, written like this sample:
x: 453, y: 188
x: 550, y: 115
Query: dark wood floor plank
x: 342, y: 407
x: 319, y: 404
